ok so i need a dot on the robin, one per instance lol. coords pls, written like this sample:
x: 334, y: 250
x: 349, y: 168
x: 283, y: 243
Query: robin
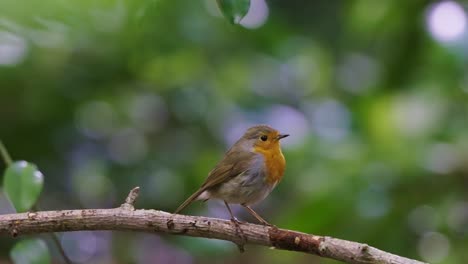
x: 248, y: 172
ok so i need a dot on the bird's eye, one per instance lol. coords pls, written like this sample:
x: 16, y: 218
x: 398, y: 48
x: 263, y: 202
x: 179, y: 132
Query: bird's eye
x: 264, y: 138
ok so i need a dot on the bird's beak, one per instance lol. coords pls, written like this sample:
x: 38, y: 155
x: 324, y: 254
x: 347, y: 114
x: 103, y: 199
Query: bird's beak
x: 280, y: 136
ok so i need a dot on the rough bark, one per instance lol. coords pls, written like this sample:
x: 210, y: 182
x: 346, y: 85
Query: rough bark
x: 127, y: 218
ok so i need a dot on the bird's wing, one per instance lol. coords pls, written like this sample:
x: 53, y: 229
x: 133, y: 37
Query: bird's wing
x: 234, y: 163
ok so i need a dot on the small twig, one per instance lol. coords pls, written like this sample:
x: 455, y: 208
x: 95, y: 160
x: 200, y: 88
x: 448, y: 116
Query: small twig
x: 131, y: 198
x: 6, y: 157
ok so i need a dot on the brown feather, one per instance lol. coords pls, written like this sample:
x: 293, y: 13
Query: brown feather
x: 235, y: 161
x: 189, y: 200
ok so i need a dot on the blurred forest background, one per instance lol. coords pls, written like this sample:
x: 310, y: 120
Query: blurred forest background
x: 107, y: 95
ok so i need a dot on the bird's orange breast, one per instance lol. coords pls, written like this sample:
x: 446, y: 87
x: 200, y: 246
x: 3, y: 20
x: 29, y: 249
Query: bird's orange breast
x: 274, y: 164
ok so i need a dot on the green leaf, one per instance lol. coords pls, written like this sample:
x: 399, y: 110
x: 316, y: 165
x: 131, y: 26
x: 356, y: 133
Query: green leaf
x: 23, y: 183
x: 234, y: 10
x: 31, y: 251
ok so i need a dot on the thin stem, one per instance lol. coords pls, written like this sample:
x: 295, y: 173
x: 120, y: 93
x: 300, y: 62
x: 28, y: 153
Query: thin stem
x: 6, y: 157
x: 56, y: 241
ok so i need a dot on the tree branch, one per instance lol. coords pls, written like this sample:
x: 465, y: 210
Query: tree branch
x: 126, y: 218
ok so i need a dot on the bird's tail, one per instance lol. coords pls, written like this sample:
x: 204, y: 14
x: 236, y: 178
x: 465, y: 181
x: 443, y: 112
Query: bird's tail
x: 189, y: 200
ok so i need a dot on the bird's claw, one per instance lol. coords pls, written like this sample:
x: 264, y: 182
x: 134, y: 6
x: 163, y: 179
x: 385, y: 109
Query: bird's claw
x: 240, y: 233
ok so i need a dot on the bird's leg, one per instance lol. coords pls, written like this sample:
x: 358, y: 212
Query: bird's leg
x: 238, y: 228
x: 257, y: 216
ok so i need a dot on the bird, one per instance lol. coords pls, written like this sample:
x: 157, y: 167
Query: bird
x: 247, y: 173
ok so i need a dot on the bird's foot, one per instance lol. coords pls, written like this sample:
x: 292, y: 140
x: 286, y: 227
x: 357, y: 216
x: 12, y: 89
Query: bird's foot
x: 240, y: 233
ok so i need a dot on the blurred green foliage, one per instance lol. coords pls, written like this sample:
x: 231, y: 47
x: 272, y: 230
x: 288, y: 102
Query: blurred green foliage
x: 31, y: 251
x: 107, y: 95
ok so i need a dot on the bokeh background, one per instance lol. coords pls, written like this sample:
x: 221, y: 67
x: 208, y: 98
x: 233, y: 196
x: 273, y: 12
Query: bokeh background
x: 107, y: 95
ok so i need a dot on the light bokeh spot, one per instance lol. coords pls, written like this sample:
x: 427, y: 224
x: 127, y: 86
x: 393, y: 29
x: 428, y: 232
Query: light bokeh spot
x: 13, y: 49
x: 330, y: 119
x: 446, y: 21
x: 423, y: 219
x: 257, y: 15
x: 442, y: 158
x: 434, y: 247
x: 457, y: 217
